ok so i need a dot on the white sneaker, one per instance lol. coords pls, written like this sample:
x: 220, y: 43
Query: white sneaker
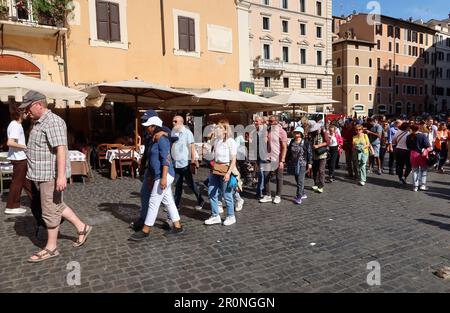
x: 213, y: 220
x: 220, y: 207
x: 415, y: 189
x: 239, y: 205
x: 277, y: 200
x: 423, y: 188
x: 15, y: 211
x: 362, y: 183
x: 230, y: 220
x: 265, y: 199
x: 199, y: 207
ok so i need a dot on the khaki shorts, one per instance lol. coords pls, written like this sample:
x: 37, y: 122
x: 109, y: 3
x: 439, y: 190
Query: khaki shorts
x: 51, y: 202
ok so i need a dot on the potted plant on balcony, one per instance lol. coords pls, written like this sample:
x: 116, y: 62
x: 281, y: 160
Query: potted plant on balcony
x: 51, y: 12
x: 4, y: 11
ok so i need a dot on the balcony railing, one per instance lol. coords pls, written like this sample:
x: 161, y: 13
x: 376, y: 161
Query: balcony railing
x: 22, y: 11
x: 268, y: 67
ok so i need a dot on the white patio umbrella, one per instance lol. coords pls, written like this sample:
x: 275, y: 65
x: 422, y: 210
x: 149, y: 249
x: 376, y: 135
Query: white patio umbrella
x: 296, y: 98
x: 18, y: 85
x: 223, y: 100
x: 136, y: 92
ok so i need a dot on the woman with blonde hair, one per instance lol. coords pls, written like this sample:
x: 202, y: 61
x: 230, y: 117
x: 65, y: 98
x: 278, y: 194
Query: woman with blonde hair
x: 361, y: 146
x: 223, y: 157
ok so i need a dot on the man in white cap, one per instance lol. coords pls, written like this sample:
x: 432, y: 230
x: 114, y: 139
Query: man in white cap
x: 48, y: 169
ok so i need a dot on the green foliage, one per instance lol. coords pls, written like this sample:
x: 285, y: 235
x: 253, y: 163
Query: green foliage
x: 51, y: 12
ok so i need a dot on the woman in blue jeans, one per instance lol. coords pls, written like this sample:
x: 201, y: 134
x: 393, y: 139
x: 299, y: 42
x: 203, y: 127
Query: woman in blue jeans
x: 224, y: 156
x: 299, y: 160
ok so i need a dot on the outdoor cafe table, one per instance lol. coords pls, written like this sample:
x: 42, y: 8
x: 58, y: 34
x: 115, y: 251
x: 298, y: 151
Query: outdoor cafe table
x: 113, y: 155
x: 78, y: 164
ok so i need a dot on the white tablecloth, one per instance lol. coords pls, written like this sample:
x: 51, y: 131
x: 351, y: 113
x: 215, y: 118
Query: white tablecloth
x: 112, y: 155
x: 76, y: 156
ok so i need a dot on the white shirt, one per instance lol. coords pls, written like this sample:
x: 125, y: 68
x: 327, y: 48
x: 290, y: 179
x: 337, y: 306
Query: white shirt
x: 401, y: 144
x: 15, y: 131
x: 333, y: 141
x: 223, y: 151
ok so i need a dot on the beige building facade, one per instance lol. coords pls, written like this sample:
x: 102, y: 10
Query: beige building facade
x: 180, y: 44
x: 290, y: 46
x: 401, y: 60
x: 354, y: 77
x: 440, y: 78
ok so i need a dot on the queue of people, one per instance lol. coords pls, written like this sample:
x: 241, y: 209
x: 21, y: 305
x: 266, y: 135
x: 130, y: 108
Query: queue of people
x: 170, y: 158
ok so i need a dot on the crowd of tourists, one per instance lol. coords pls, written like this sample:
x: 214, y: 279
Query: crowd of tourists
x: 265, y: 153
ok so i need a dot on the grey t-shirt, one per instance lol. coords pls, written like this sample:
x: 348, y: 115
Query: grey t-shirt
x: 374, y: 140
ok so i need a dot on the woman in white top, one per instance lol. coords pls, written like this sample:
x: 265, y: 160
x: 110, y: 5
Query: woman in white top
x: 224, y: 157
x: 402, y: 154
x: 18, y: 158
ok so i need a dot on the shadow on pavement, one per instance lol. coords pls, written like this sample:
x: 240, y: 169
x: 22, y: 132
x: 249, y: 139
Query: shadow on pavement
x: 440, y: 215
x: 25, y: 226
x: 443, y: 226
x: 126, y: 212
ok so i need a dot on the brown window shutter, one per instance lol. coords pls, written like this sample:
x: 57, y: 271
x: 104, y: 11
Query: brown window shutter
x: 114, y: 22
x: 191, y: 34
x: 102, y: 20
x: 183, y: 33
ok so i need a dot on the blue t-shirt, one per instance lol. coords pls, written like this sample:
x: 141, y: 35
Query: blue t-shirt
x: 159, y: 156
x: 181, y: 149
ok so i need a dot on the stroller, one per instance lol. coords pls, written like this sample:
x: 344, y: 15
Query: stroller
x: 248, y: 173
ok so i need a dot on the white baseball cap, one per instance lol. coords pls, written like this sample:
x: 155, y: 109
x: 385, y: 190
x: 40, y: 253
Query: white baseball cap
x: 154, y: 120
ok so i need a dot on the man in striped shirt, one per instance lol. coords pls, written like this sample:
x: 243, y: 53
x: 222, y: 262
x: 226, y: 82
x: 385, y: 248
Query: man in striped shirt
x: 48, y: 169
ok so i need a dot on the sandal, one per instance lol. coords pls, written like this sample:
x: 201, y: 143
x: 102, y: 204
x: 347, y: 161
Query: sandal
x: 87, y: 229
x: 48, y: 254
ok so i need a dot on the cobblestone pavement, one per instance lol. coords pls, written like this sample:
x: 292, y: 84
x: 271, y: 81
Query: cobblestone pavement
x: 268, y: 249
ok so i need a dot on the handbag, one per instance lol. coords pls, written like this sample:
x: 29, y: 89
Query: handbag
x: 321, y: 150
x: 432, y: 158
x: 220, y: 169
x: 232, y: 183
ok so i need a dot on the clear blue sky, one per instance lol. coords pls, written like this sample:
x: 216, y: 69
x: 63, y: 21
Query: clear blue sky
x: 426, y: 10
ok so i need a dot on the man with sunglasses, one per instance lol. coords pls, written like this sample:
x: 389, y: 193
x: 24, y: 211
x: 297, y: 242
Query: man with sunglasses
x: 276, y: 157
x: 185, y: 161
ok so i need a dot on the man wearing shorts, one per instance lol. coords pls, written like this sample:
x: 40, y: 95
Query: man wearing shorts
x: 48, y: 169
x: 375, y: 133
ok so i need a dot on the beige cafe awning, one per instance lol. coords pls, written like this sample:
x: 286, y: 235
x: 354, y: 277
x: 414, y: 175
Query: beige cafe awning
x: 18, y: 85
x: 223, y: 100
x: 136, y: 92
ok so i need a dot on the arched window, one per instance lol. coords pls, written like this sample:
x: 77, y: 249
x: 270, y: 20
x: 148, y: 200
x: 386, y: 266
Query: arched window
x: 381, y: 109
x: 338, y: 80
x: 370, y: 62
x: 356, y: 79
x: 338, y: 62
x: 370, y: 80
x: 357, y: 61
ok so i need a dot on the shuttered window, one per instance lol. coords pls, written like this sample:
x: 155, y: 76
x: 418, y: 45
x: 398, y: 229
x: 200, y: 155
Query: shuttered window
x: 108, y: 21
x: 186, y: 33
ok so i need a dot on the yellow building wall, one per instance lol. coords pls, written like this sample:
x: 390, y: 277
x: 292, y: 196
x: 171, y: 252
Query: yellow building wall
x: 144, y: 58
